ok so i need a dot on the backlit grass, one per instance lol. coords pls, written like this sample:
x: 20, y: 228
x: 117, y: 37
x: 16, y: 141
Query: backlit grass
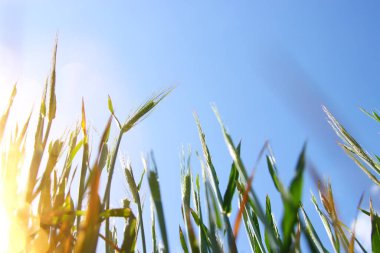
x: 45, y: 216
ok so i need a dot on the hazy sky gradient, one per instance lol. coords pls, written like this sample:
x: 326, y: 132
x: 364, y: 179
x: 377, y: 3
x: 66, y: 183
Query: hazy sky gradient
x: 268, y: 66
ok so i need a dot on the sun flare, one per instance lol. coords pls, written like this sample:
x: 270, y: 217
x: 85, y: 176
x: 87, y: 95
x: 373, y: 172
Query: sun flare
x: 19, y: 220
x: 20, y: 223
x: 5, y: 223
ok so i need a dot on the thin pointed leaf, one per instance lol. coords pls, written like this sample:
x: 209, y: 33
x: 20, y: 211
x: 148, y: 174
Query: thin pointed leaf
x: 4, y: 117
x: 136, y: 197
x: 215, y: 184
x: 231, y: 187
x: 292, y: 205
x: 325, y: 224
x: 312, y: 234
x: 375, y: 231
x: 154, y: 239
x: 272, y: 226
x: 352, y: 143
x: 183, y: 241
x: 52, y: 96
x: 157, y: 200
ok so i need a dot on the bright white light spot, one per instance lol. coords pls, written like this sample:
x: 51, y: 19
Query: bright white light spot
x: 5, y: 224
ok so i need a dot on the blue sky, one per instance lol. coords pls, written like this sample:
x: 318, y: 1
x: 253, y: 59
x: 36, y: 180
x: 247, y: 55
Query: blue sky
x: 268, y: 66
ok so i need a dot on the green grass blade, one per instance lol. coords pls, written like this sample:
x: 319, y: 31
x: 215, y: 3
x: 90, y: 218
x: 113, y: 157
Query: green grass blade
x: 202, y: 230
x: 253, y: 229
x: 52, y: 97
x: 250, y: 233
x: 206, y: 152
x: 213, y: 218
x: 39, y: 146
x: 215, y: 184
x: 375, y: 231
x: 154, y: 238
x: 107, y: 193
x: 277, y: 182
x: 352, y: 143
x: 350, y: 154
x: 130, y: 235
x: 231, y: 187
x: 54, y: 153
x: 130, y: 122
x: 203, y: 240
x: 157, y: 200
x: 186, y: 189
x: 110, y: 107
x: 272, y: 226
x: 136, y: 197
x: 103, y: 157
x: 141, y: 180
x: 374, y: 114
x: 143, y: 111
x: 73, y: 149
x: 88, y: 233
x: 292, y: 205
x: 21, y: 137
x: 242, y: 172
x: 312, y: 235
x: 183, y: 241
x: 85, y: 163
x: 326, y: 225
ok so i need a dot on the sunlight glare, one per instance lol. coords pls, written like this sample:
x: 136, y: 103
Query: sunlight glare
x: 4, y: 220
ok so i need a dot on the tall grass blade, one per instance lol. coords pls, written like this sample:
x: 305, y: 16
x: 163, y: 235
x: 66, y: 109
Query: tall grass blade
x: 186, y: 187
x: 156, y: 196
x: 252, y: 227
x: 213, y: 218
x: 52, y: 97
x: 292, y: 205
x: 243, y: 172
x: 130, y: 122
x: 215, y: 185
x: 326, y: 225
x: 136, y: 197
x: 154, y: 238
x: 312, y: 235
x: 183, y: 241
x: 85, y: 162
x: 272, y: 226
x: 130, y: 233
x: 231, y: 186
x: 21, y: 138
x: 89, y: 229
x: 203, y: 240
x: 250, y: 233
x: 4, y: 117
x: 41, y: 137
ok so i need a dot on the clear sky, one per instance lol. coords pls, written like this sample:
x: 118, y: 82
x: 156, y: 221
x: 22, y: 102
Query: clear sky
x: 267, y: 65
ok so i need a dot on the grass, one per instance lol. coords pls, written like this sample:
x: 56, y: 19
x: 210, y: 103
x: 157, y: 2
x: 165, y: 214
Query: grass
x: 47, y: 217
